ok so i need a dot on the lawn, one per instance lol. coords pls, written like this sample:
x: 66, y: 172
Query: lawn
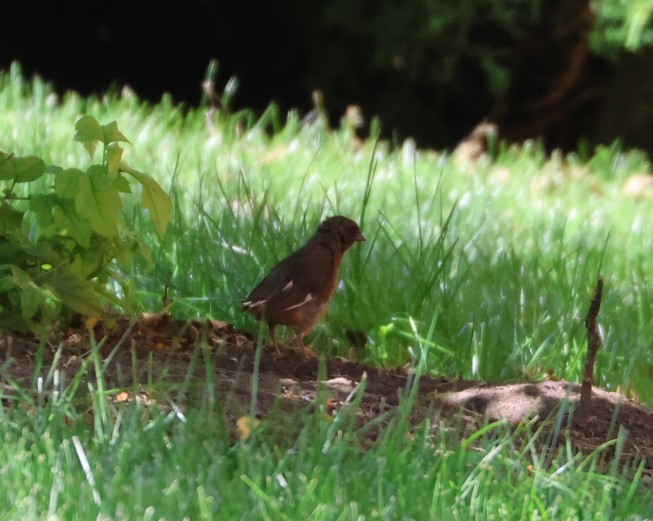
x: 473, y: 269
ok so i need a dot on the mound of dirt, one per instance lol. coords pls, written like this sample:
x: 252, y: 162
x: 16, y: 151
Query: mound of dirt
x: 159, y: 349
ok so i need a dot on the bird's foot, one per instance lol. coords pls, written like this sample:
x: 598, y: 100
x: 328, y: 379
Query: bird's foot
x: 307, y: 352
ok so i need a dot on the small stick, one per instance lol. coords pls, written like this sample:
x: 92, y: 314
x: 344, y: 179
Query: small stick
x: 166, y: 301
x: 593, y: 345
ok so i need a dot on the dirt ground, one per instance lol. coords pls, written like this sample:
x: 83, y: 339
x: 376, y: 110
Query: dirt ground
x: 158, y: 349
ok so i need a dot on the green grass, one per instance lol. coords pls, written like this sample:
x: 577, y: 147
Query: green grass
x: 75, y: 454
x: 497, y: 275
x: 488, y: 266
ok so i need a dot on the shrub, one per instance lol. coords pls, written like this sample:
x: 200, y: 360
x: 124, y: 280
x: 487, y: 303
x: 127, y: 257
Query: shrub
x: 60, y: 239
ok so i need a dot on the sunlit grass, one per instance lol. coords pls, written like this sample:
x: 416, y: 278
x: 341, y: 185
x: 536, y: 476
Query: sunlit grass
x: 502, y: 254
x: 485, y: 266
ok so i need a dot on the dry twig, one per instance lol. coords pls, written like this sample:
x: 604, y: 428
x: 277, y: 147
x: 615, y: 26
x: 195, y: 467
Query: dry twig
x: 593, y: 345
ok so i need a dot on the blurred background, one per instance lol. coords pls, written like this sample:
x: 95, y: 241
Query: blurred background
x: 572, y: 72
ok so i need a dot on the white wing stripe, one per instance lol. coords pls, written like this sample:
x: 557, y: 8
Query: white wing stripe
x: 251, y: 305
x: 306, y: 300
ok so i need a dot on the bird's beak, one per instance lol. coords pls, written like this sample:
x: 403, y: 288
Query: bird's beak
x: 359, y: 237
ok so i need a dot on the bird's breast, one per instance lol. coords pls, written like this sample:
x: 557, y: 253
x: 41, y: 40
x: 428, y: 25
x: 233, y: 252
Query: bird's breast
x: 332, y: 282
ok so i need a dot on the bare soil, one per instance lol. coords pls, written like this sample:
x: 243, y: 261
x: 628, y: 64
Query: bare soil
x: 156, y: 348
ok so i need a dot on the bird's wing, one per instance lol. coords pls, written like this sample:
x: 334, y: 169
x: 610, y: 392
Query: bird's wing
x: 296, y: 280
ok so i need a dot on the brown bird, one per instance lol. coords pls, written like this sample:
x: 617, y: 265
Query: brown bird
x: 296, y: 292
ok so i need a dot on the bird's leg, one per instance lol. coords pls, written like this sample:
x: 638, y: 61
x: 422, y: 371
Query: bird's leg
x: 300, y: 341
x: 306, y: 351
x: 274, y: 340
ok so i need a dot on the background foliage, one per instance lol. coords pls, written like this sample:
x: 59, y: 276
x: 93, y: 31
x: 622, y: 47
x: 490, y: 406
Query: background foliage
x: 438, y: 68
x: 429, y: 69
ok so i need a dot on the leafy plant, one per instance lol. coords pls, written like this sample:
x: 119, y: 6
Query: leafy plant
x: 622, y: 25
x: 59, y: 239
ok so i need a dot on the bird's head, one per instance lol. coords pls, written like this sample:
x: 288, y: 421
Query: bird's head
x: 340, y: 230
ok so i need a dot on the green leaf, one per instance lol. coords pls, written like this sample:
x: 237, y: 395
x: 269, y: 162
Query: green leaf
x: 17, y: 253
x: 22, y: 169
x: 98, y: 201
x: 52, y: 169
x: 125, y: 248
x: 114, y: 155
x: 123, y: 185
x: 11, y: 220
x: 75, y: 292
x: 32, y: 297
x: 66, y: 182
x: 154, y: 199
x: 89, y: 264
x: 69, y: 223
x: 10, y: 252
x: 111, y: 134
x: 30, y: 301
x: 88, y: 131
x: 42, y: 206
x: 21, y: 278
x: 7, y: 283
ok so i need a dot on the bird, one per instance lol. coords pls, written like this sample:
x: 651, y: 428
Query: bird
x: 297, y: 290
